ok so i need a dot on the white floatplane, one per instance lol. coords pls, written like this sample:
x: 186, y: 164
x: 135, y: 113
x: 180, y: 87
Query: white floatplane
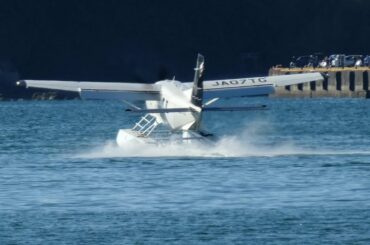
x: 173, y: 104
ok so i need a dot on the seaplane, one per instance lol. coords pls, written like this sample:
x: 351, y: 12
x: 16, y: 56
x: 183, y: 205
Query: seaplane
x: 172, y: 110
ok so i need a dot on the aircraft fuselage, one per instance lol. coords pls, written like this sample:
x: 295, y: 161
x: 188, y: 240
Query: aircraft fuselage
x: 175, y: 95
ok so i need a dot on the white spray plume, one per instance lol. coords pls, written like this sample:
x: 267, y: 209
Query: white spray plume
x: 249, y: 142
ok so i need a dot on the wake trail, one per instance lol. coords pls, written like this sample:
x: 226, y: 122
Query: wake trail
x: 230, y: 146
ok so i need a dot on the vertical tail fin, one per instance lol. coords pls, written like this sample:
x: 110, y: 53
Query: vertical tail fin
x: 197, y: 93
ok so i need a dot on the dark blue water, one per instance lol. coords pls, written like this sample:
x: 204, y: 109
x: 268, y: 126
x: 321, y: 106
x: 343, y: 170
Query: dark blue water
x: 297, y: 173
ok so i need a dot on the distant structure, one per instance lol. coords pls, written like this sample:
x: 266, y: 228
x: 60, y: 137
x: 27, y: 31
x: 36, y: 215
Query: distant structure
x: 345, y: 76
x: 338, y: 82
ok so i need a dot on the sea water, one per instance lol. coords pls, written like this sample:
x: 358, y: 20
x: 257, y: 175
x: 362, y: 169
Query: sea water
x: 296, y: 173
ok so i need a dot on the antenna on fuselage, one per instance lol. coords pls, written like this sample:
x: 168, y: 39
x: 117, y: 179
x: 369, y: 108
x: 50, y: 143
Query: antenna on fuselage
x: 197, y: 93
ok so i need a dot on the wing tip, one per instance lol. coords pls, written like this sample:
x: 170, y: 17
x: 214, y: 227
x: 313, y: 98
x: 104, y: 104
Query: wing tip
x: 21, y: 83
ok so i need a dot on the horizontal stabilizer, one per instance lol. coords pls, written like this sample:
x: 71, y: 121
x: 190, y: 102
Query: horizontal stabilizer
x: 236, y: 108
x: 171, y: 110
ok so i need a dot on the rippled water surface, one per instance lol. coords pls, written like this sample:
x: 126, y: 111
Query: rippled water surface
x: 296, y: 173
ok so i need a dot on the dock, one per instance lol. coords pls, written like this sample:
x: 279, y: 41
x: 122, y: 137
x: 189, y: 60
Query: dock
x: 339, y: 82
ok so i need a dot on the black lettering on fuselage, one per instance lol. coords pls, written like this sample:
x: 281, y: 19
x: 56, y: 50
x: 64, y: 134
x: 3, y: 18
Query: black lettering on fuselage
x: 262, y: 79
x: 239, y: 82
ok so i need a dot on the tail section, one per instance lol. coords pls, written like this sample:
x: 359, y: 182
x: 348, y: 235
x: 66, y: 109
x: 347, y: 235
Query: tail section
x: 197, y: 93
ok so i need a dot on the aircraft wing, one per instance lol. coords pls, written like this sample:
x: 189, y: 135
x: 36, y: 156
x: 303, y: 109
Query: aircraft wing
x: 139, y: 91
x: 256, y: 86
x: 100, y: 90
